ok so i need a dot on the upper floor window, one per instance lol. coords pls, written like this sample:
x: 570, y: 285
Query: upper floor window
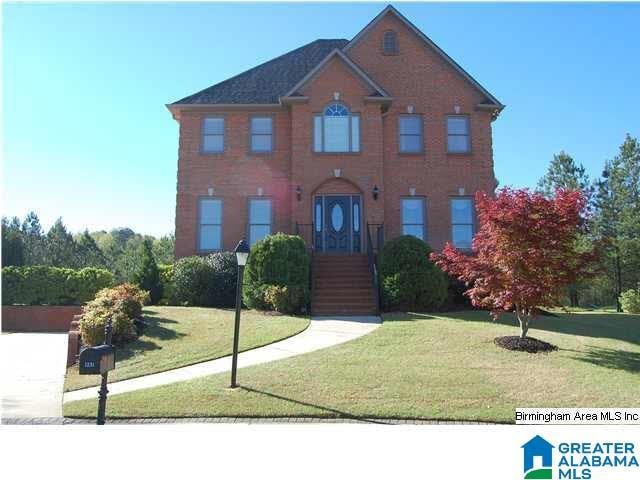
x: 390, y: 43
x: 458, y: 138
x: 213, y: 135
x: 336, y: 130
x: 410, y: 128
x: 413, y: 217
x: 461, y: 222
x: 261, y: 134
x: 210, y: 224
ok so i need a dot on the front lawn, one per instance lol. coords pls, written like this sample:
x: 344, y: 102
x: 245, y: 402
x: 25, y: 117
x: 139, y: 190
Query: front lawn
x: 180, y: 336
x: 440, y: 366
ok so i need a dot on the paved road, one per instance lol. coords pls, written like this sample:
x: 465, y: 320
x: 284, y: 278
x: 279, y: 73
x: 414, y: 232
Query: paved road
x: 323, y: 332
x: 33, y: 368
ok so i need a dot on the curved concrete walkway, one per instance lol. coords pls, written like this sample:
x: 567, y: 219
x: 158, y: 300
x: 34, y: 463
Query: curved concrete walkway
x: 323, y: 332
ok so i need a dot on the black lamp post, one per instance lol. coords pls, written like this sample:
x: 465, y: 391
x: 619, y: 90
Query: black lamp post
x: 242, y: 254
x: 375, y: 192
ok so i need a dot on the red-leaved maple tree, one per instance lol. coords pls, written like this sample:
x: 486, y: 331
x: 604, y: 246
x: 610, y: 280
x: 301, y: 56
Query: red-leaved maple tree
x: 524, y: 254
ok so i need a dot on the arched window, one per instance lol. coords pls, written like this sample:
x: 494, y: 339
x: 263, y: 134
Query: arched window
x: 336, y: 130
x: 390, y: 43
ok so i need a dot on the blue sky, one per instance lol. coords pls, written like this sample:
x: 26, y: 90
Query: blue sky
x: 87, y: 136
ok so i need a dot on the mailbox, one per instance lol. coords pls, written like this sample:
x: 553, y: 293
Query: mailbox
x: 97, y: 360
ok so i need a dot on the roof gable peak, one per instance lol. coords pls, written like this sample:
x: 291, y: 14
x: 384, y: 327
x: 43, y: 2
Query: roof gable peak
x: 390, y: 9
x: 336, y: 52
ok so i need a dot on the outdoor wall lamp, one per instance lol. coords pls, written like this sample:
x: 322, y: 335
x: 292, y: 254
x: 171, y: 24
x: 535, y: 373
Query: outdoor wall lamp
x: 375, y: 192
x: 299, y: 193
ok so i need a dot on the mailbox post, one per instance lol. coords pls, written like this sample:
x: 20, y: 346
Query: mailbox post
x: 102, y: 393
x: 98, y: 361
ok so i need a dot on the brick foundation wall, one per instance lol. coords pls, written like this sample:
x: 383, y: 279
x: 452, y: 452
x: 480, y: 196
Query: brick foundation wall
x: 38, y: 318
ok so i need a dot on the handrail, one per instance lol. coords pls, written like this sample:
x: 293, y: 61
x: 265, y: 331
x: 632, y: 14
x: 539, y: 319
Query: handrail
x: 310, y: 246
x: 372, y: 259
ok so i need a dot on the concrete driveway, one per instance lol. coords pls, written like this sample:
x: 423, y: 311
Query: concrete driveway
x: 33, y: 367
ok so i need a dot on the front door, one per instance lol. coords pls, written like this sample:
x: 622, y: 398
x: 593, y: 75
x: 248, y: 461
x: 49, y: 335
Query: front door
x: 337, y: 223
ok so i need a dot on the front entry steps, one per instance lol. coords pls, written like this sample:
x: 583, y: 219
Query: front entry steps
x: 342, y: 286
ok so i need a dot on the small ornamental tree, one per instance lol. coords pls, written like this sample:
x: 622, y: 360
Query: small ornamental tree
x: 146, y: 274
x: 524, y: 254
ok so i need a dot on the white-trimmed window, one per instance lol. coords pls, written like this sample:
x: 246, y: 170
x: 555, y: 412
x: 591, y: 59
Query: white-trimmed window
x: 462, y: 222
x: 410, y: 129
x: 413, y: 215
x: 210, y: 224
x: 259, y: 219
x: 261, y: 134
x: 458, y: 137
x: 336, y: 130
x: 213, y: 135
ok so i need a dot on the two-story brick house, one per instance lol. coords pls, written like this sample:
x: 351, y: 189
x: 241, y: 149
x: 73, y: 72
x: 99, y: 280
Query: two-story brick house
x: 384, y: 129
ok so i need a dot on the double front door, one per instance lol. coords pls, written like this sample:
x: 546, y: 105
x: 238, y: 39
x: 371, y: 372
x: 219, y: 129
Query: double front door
x: 337, y: 223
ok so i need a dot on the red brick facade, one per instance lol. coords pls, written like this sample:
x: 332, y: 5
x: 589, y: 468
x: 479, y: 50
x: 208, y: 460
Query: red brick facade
x: 418, y: 79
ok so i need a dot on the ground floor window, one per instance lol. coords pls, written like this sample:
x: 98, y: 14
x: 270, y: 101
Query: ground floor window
x: 210, y: 224
x: 413, y: 217
x: 461, y: 222
x: 259, y: 219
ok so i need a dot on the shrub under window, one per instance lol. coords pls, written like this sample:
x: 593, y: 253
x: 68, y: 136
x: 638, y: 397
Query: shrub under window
x: 278, y: 260
x: 410, y: 281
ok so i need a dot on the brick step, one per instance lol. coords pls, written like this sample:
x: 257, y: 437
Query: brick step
x: 342, y: 261
x: 355, y: 277
x: 341, y: 306
x: 321, y: 299
x: 340, y: 269
x: 344, y: 313
x: 344, y: 292
x: 335, y: 285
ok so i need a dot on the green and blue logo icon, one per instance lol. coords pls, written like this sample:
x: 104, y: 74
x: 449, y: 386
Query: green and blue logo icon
x: 538, y: 459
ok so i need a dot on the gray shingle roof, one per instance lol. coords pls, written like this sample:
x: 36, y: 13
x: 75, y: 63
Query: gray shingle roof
x: 267, y: 82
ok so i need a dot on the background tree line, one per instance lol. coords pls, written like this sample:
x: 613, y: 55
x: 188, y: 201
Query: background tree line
x: 613, y: 217
x: 121, y: 250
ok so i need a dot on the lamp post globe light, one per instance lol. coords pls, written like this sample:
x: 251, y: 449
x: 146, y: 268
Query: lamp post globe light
x: 242, y: 255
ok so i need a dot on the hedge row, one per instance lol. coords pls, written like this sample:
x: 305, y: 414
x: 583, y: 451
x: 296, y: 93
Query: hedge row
x: 40, y: 285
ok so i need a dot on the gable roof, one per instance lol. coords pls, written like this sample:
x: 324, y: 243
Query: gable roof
x: 266, y: 83
x: 491, y: 100
x: 377, y: 90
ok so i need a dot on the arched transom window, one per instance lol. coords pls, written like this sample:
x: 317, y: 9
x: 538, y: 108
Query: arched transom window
x: 336, y: 130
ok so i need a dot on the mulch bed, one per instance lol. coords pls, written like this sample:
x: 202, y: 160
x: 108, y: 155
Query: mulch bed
x: 528, y: 344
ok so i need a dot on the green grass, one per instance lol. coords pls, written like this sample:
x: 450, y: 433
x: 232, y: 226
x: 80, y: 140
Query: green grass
x: 180, y: 336
x: 440, y: 366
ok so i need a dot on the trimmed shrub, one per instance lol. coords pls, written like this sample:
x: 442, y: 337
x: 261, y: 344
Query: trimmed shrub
x: 409, y: 279
x: 146, y: 274
x: 225, y: 276
x: 284, y: 299
x: 206, y: 281
x: 166, y: 271
x: 43, y: 285
x: 123, y: 304
x: 280, y: 260
x: 192, y: 278
x: 630, y: 301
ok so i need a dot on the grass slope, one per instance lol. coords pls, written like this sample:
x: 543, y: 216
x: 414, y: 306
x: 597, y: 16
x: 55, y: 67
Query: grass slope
x: 180, y: 336
x: 440, y: 366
